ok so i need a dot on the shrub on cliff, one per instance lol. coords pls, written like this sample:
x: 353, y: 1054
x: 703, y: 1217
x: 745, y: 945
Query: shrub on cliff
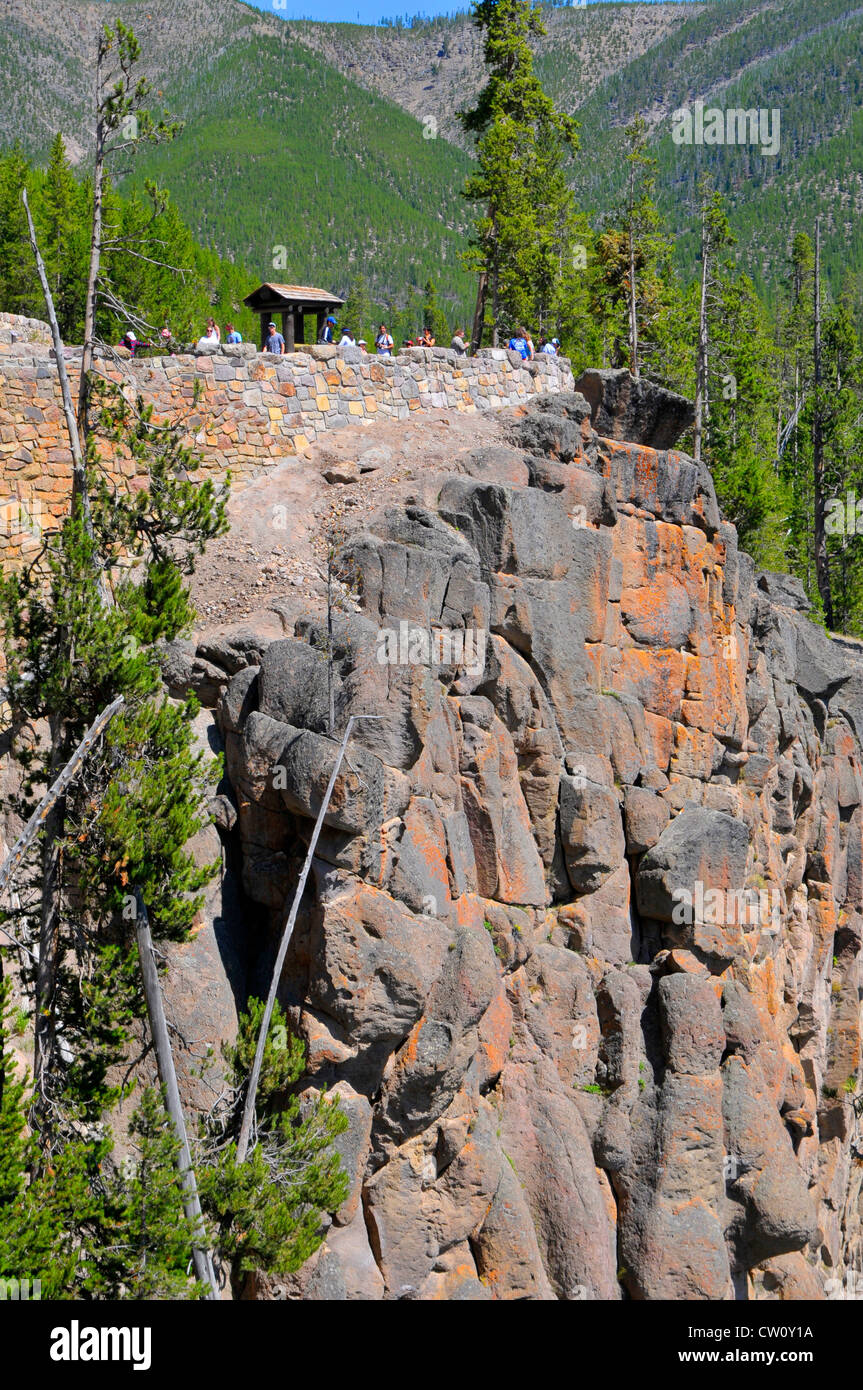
x: 268, y: 1209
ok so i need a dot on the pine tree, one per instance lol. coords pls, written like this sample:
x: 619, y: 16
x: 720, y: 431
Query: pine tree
x: 19, y: 287
x: 433, y: 316
x: 741, y: 445
x: 144, y: 1209
x: 357, y: 313
x: 268, y: 1209
x: 128, y: 819
x: 795, y: 333
x: 716, y: 236
x: 843, y: 446
x: 579, y: 319
x: 642, y: 249
x: 63, y: 241
x: 522, y: 141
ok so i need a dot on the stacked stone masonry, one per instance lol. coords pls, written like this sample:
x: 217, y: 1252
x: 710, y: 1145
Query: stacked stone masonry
x: 242, y: 409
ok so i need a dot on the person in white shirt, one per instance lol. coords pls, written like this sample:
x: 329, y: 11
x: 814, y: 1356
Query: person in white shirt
x: 347, y: 339
x: 383, y: 342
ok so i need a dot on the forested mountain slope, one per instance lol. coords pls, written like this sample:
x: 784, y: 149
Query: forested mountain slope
x: 279, y: 150
x: 340, y: 142
x: 801, y: 59
x: 435, y: 67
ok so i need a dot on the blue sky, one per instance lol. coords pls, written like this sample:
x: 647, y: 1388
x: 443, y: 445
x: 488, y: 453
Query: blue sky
x: 362, y: 11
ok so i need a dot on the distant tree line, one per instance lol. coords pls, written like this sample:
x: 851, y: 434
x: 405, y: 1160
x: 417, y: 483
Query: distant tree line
x: 179, y: 283
x: 778, y: 383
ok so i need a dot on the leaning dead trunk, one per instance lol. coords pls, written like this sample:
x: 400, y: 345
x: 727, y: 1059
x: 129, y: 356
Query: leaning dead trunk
x: 255, y: 1076
x: 79, y: 466
x: 52, y: 821
x: 48, y: 817
x: 633, y: 308
x: 201, y: 1255
x: 95, y: 256
x: 58, y: 786
x: 479, y: 312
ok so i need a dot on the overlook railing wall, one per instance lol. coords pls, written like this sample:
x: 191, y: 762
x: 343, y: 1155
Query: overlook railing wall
x: 252, y: 409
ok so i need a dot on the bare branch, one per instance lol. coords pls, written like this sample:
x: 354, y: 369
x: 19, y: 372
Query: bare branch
x: 34, y: 824
x: 201, y: 1255
x: 255, y: 1076
x: 78, y: 460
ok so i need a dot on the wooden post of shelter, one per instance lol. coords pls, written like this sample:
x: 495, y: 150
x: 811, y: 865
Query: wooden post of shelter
x: 291, y: 303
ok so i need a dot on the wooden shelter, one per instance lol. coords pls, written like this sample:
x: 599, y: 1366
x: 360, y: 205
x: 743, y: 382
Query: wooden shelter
x: 292, y: 302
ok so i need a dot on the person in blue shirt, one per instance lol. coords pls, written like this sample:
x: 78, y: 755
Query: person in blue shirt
x: 521, y: 344
x: 275, y: 342
x: 232, y: 336
x: 328, y: 330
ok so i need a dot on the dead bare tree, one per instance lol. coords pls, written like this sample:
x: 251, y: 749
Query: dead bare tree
x: 479, y: 312
x: 287, y: 932
x: 122, y: 123
x: 51, y: 821
x: 201, y: 1255
x: 79, y: 462
x: 716, y: 236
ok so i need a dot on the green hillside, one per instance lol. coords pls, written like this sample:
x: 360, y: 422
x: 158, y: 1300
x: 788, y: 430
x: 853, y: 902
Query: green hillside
x: 311, y: 136
x: 279, y: 148
x: 801, y: 58
x: 297, y: 156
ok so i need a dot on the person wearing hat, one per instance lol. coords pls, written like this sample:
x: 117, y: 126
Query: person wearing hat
x: 347, y: 339
x: 328, y: 330
x: 275, y: 342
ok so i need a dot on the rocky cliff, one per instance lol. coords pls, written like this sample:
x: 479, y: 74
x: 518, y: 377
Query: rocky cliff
x: 580, y: 947
x: 243, y: 410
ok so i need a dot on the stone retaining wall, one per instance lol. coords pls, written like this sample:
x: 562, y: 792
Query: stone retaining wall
x: 252, y: 409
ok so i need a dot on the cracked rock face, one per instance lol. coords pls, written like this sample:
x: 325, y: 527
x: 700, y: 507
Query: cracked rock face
x: 580, y: 948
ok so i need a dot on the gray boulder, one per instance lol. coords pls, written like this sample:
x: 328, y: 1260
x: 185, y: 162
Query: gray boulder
x: 638, y: 411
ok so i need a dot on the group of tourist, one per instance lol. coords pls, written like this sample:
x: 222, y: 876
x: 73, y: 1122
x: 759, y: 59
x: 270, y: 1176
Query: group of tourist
x: 274, y: 342
x: 213, y: 335
x: 521, y: 342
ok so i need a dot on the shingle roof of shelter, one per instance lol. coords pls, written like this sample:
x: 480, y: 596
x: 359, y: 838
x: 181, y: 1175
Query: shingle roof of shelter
x: 294, y: 294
